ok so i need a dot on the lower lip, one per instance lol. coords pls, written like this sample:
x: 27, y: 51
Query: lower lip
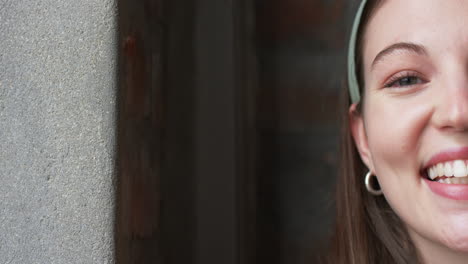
x: 451, y: 191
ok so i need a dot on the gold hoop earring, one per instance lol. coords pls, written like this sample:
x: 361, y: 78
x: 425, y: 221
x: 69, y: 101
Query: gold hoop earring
x: 369, y: 186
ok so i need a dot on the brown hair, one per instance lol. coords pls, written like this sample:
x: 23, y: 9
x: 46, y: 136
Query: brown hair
x: 367, y: 230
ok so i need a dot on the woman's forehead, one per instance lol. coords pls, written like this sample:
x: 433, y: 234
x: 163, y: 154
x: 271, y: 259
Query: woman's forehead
x: 437, y: 25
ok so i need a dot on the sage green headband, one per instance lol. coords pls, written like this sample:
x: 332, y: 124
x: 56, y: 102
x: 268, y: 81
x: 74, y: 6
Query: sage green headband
x: 352, y: 78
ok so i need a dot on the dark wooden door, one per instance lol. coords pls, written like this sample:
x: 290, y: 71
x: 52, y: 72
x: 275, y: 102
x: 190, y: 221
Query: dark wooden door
x: 186, y: 137
x: 301, y: 53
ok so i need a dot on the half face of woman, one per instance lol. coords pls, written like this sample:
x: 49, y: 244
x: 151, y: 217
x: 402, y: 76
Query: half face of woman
x: 414, y: 122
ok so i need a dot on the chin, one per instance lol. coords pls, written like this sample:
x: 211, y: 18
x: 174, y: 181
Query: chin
x: 456, y: 238
x: 460, y: 245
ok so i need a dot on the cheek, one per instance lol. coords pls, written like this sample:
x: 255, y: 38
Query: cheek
x: 397, y: 136
x: 395, y: 133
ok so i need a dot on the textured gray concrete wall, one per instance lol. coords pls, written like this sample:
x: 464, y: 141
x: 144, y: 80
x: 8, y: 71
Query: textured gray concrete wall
x: 57, y: 136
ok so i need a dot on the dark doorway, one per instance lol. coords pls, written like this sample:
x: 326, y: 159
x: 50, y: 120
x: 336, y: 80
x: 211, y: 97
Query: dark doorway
x: 228, y: 129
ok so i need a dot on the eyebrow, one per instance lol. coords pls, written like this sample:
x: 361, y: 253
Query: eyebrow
x: 401, y: 46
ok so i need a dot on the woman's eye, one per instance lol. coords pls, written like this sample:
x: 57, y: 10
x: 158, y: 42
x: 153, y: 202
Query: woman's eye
x: 405, y: 81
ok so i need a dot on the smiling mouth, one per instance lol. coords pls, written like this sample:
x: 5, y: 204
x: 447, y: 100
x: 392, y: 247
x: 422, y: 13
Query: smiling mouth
x: 450, y: 172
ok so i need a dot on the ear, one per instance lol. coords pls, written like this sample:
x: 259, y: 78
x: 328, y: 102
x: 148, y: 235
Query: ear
x: 358, y: 130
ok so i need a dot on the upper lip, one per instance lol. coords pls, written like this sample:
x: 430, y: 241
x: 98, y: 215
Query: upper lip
x: 448, y: 155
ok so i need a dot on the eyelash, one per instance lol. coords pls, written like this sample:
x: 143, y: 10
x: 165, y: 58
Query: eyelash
x: 398, y: 77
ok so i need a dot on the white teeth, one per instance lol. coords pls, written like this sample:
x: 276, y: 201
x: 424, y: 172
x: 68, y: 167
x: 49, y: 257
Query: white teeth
x: 463, y: 180
x: 459, y: 180
x: 456, y: 172
x: 459, y: 168
x: 432, y: 173
x: 440, y: 169
x: 448, y: 169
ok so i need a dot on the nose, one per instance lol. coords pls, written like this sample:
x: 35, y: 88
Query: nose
x: 451, y: 112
